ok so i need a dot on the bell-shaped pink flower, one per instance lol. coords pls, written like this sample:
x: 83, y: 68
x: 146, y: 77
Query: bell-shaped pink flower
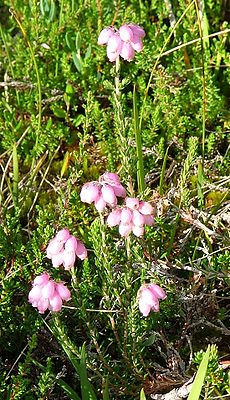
x: 42, y: 305
x: 41, y: 280
x: 114, y: 43
x: 62, y: 235
x: 127, y: 52
x: 81, y: 251
x: 57, y: 259
x: 35, y: 294
x: 71, y: 244
x: 100, y: 204
x: 104, y: 35
x: 63, y: 291
x: 148, y: 297
x: 109, y: 195
x: 157, y: 291
x: 126, y: 33
x: 125, y: 230
x: 55, y: 303
x: 145, y: 208
x: 138, y: 230
x: 119, y: 190
x: 54, y: 247
x: 137, y: 44
x: 149, y: 220
x: 109, y: 177
x: 137, y: 30
x: 48, y: 289
x: 126, y: 216
x: 114, y: 218
x: 69, y: 258
x: 132, y: 203
x: 138, y: 218
x: 90, y: 192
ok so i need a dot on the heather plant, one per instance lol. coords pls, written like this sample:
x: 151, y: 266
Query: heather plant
x: 114, y: 200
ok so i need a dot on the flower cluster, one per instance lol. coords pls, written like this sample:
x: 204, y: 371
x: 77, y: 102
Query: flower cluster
x: 48, y: 294
x: 123, y: 42
x: 103, y: 192
x: 131, y: 218
x: 149, y: 296
x: 64, y: 248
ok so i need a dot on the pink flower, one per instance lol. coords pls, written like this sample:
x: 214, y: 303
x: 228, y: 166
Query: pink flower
x: 114, y: 218
x: 104, y: 35
x: 125, y: 229
x: 67, y: 252
x: 126, y: 216
x: 81, y: 251
x: 108, y: 189
x: 126, y: 33
x: 123, y: 42
x: 48, y: 294
x: 148, y: 296
x: 90, y: 192
x: 127, y: 51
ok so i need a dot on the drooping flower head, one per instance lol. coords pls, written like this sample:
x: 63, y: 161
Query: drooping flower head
x: 148, y: 298
x: 103, y: 192
x: 122, y: 42
x: 48, y: 294
x: 64, y: 248
x: 132, y: 217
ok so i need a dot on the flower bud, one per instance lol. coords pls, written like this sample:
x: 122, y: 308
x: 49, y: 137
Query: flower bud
x: 100, y: 204
x: 138, y: 218
x: 48, y: 289
x: 138, y: 230
x: 41, y: 280
x: 126, y: 216
x: 62, y: 235
x: 63, y: 291
x: 145, y: 208
x: 125, y: 230
x: 132, y: 203
x: 71, y: 244
x: 109, y: 195
x: 55, y: 303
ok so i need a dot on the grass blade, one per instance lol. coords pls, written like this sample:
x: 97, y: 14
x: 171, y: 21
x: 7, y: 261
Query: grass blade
x: 140, y: 164
x: 200, y: 377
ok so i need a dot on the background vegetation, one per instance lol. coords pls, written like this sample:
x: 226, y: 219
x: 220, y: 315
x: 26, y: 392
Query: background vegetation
x: 61, y: 126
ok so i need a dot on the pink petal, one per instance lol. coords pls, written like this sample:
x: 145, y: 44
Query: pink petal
x: 35, y: 294
x: 114, y: 43
x: 145, y: 208
x: 137, y: 30
x: 81, y: 251
x: 69, y: 258
x: 108, y: 195
x: 62, y: 235
x: 55, y: 303
x: 100, y: 204
x: 138, y: 218
x: 126, y: 216
x: 57, y: 259
x: 149, y: 220
x: 132, y: 203
x: 144, y: 308
x: 109, y: 177
x: 71, y: 244
x: 63, y: 291
x: 138, y: 230
x: 126, y: 33
x: 119, y: 190
x: 104, y: 35
x: 90, y: 192
x: 41, y: 280
x: 54, y: 247
x: 42, y: 305
x: 127, y: 52
x: 48, y: 290
x: 157, y: 291
x: 114, y: 218
x: 125, y: 230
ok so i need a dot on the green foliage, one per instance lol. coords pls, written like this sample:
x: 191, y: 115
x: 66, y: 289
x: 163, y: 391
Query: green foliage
x: 67, y: 115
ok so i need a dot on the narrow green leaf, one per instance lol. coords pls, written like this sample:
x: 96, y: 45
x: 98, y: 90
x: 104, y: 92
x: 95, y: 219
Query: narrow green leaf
x: 15, y: 174
x: 163, y: 171
x: 77, y: 61
x: 68, y: 390
x: 142, y: 395
x: 106, y: 389
x: 200, y: 377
